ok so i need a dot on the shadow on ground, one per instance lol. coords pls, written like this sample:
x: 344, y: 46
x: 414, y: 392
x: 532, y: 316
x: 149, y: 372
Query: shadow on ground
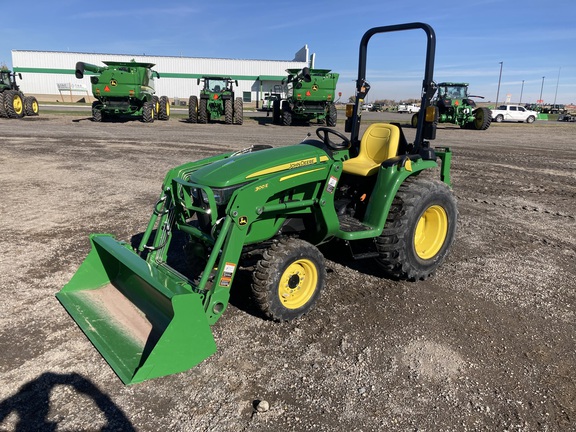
x: 32, y: 403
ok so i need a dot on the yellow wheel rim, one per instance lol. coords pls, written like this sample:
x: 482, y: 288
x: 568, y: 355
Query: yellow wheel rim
x: 168, y: 108
x: 18, y: 105
x: 35, y: 107
x: 431, y: 232
x: 298, y: 284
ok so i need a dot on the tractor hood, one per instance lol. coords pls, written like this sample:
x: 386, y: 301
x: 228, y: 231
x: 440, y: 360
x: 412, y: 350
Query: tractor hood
x: 256, y: 165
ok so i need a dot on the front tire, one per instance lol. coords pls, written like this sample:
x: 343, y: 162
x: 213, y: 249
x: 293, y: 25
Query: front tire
x: 530, y: 119
x: 203, y: 111
x: 164, y: 108
x: 193, y: 109
x: 3, y: 113
x: 499, y: 118
x: 228, y: 111
x: 238, y: 111
x: 156, y: 103
x: 148, y: 112
x: 419, y: 231
x: 414, y: 121
x: 14, y: 104
x: 288, y: 279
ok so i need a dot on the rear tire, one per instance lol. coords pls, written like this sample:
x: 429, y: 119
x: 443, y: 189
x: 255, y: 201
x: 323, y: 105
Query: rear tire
x: 288, y: 279
x: 332, y: 117
x: 31, y: 106
x: 164, y: 108
x: 286, y: 118
x: 414, y: 121
x: 419, y: 230
x: 276, y: 112
x: 482, y: 119
x: 238, y: 111
x: 193, y: 109
x: 96, y: 112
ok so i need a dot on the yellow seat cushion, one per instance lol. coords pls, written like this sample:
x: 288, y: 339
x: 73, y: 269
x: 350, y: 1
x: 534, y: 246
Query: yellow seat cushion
x: 379, y: 142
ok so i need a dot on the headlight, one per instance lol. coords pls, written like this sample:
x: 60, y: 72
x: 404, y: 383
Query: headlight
x: 202, y: 194
x: 222, y: 195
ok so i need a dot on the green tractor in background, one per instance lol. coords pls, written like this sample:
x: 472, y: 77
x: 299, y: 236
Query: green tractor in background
x: 13, y: 103
x: 216, y: 100
x: 124, y: 89
x: 456, y: 106
x: 265, y: 212
x: 310, y: 96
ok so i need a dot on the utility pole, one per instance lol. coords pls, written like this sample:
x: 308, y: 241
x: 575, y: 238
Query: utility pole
x: 557, y: 81
x: 521, y: 91
x: 541, y: 88
x: 499, y: 79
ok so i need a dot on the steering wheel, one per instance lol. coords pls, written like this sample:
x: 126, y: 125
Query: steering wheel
x: 345, y: 144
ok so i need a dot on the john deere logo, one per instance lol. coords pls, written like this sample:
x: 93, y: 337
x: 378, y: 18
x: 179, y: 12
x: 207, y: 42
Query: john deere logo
x: 243, y: 220
x: 113, y: 83
x: 315, y: 87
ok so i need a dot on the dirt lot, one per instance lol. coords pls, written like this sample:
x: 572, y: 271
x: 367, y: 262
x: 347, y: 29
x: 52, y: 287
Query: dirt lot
x: 487, y: 344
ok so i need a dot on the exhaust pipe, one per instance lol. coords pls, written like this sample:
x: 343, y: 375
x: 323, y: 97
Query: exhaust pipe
x: 304, y: 75
x: 81, y: 67
x: 80, y: 70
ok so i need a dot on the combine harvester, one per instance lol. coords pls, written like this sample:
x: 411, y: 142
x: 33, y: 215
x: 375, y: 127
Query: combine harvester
x: 124, y: 89
x: 310, y: 95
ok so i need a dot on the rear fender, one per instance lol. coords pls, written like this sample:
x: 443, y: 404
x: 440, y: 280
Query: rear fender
x: 391, y: 175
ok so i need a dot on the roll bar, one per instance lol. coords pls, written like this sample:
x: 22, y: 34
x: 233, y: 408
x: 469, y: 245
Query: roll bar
x: 428, y: 87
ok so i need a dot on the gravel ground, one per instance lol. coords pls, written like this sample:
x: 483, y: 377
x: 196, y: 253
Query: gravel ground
x: 486, y: 344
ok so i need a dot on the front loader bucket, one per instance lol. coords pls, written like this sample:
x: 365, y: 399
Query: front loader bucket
x: 137, y: 314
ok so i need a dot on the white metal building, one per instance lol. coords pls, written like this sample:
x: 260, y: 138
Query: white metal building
x: 51, y: 73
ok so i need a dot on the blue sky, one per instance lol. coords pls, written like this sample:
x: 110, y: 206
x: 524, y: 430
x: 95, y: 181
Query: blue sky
x: 532, y: 38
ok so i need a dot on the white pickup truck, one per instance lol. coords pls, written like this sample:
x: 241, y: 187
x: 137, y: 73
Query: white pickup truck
x: 515, y: 113
x: 408, y: 108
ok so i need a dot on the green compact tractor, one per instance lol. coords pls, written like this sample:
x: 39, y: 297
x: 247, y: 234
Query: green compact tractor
x: 456, y: 106
x: 265, y: 211
x: 13, y: 103
x: 216, y: 100
x: 309, y: 96
x: 125, y: 89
